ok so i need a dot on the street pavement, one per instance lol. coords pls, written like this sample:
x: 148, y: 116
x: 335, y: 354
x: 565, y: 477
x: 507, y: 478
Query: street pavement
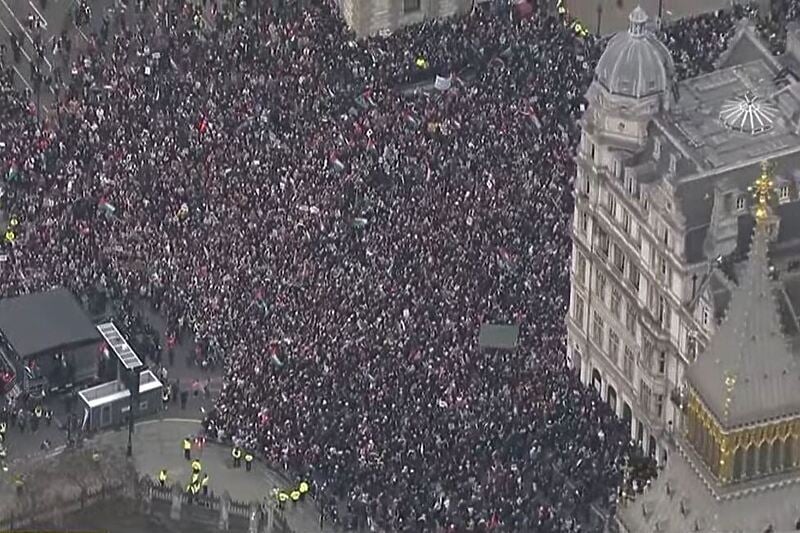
x: 27, y: 443
x: 53, y: 17
x: 614, y: 16
x: 157, y: 445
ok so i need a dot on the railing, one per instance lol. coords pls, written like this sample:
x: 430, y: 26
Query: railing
x: 46, y: 513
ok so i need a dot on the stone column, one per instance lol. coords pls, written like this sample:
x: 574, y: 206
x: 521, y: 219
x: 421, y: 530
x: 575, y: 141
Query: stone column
x: 224, y: 510
x: 177, y: 499
x: 269, y: 511
x: 255, y: 518
x: 146, y: 495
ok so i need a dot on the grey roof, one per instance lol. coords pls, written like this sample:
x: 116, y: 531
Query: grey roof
x: 743, y: 48
x: 694, y: 120
x: 635, y: 63
x: 694, y: 244
x: 749, y: 347
x: 696, y: 200
x: 789, y: 214
x: 45, y: 321
x: 498, y: 336
x: 678, y: 501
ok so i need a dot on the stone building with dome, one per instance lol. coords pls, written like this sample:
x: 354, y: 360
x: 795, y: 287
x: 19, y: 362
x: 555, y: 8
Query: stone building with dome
x: 662, y: 223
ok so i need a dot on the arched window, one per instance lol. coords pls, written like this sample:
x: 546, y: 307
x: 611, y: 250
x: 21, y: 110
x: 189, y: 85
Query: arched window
x: 710, y: 445
x: 738, y: 463
x: 714, y: 464
x: 701, y: 440
x: 789, y: 453
x: 776, y: 455
x: 691, y: 426
x: 763, y: 458
x: 751, y: 461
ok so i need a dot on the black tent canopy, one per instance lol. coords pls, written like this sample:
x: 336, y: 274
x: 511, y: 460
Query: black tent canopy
x: 498, y: 336
x: 44, y: 322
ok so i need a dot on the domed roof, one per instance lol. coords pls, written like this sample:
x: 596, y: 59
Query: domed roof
x: 635, y: 63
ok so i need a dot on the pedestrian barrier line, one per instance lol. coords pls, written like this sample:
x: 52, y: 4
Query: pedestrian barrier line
x: 10, y: 33
x: 22, y: 27
x: 148, y: 422
x: 44, y: 20
x: 28, y: 85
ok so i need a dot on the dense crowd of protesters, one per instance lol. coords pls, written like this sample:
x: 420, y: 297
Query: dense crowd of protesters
x: 335, y: 239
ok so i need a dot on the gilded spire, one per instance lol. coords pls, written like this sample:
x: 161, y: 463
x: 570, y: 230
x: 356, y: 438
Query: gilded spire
x: 763, y: 193
x: 748, y: 373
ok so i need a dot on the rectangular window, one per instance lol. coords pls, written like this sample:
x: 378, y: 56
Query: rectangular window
x: 587, y: 185
x: 665, y: 236
x: 600, y: 285
x: 635, y: 277
x: 705, y: 316
x: 659, y: 405
x: 691, y: 346
x: 630, y: 318
x: 602, y: 242
x: 616, y: 302
x: 630, y: 185
x: 619, y: 259
x: 584, y: 222
x: 652, y: 298
x: 627, y: 366
x: 592, y: 151
x: 657, y: 149
x: 741, y: 201
x: 626, y: 222
x: 784, y: 192
x: 662, y: 362
x: 411, y: 6
x: 612, y: 205
x: 613, y: 345
x: 577, y: 310
x: 644, y: 396
x: 647, y: 354
x: 597, y: 329
x: 580, y: 269
x: 664, y: 313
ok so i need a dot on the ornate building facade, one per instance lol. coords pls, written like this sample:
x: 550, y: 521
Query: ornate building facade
x: 737, y: 461
x: 662, y: 220
x: 367, y: 17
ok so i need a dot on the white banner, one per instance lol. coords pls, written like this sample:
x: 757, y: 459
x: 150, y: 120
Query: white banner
x: 443, y: 84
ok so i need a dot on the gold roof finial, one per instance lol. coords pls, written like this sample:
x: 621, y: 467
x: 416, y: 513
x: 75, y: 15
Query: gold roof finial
x: 763, y: 191
x: 730, y: 385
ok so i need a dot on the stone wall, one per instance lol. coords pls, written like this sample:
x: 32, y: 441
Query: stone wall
x: 368, y: 17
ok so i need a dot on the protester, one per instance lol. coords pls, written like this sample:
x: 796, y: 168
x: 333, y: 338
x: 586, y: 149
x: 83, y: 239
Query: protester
x: 333, y: 232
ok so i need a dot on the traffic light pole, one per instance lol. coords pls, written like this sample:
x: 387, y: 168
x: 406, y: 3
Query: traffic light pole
x: 133, y: 387
x: 130, y: 427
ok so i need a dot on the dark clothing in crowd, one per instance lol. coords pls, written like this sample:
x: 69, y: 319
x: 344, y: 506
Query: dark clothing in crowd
x: 335, y: 243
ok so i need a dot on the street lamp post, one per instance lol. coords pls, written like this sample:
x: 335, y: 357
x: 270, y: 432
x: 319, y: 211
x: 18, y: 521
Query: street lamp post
x: 599, y: 15
x: 133, y: 388
x: 129, y: 452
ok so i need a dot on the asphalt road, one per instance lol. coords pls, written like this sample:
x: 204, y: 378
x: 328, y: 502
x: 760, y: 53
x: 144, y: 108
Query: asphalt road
x: 25, y: 18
